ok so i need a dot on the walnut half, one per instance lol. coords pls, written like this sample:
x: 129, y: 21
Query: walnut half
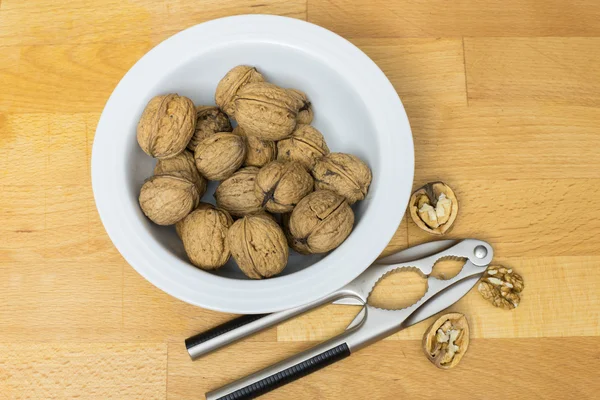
x: 434, y: 208
x: 501, y: 287
x: 447, y: 340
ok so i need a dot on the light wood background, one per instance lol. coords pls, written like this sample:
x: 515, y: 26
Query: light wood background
x: 504, y: 100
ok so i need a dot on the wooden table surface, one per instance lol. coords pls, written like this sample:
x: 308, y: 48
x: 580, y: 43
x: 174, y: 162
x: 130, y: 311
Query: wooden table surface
x: 504, y: 100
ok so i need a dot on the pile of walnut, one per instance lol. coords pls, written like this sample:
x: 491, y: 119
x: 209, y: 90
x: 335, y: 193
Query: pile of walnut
x: 272, y: 167
x: 434, y: 208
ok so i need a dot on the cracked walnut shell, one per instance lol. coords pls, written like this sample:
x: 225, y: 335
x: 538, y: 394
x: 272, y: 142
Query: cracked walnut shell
x: 183, y: 161
x: 345, y: 174
x: 168, y: 198
x: 306, y: 145
x: 232, y: 82
x: 434, y: 208
x: 209, y: 120
x: 447, y: 340
x: 220, y: 155
x: 204, y: 235
x: 237, y: 195
x: 502, y: 287
x: 258, y: 245
x: 258, y: 152
x: 320, y: 222
x: 305, y: 110
x: 166, y: 126
x: 266, y: 111
x: 280, y: 185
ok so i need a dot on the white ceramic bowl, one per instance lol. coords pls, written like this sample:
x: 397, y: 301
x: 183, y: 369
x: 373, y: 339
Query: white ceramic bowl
x: 356, y: 108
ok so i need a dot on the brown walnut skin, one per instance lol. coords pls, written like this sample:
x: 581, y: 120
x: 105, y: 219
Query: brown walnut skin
x: 345, y: 174
x: 220, y: 155
x: 258, y: 246
x: 266, y: 111
x: 320, y: 222
x: 258, y: 152
x: 429, y: 196
x: 306, y: 145
x: 447, y: 340
x: 179, y: 225
x: 166, y: 126
x: 232, y: 82
x: 204, y: 235
x: 281, y: 185
x: 502, y: 287
x: 209, y: 120
x: 183, y: 161
x: 236, y: 194
x: 167, y: 199
x: 305, y: 110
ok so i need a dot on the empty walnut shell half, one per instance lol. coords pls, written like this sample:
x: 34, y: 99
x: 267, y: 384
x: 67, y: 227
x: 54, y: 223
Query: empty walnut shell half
x: 502, y: 287
x: 183, y: 161
x: 320, y: 222
x: 266, y: 111
x: 306, y: 145
x: 258, y: 245
x: 305, y: 110
x: 166, y: 126
x: 179, y: 225
x: 237, y: 195
x: 345, y: 174
x: 168, y: 198
x: 280, y: 185
x: 204, y: 235
x: 447, y: 340
x: 258, y: 152
x: 231, y: 83
x: 434, y: 208
x: 209, y: 120
x: 220, y: 155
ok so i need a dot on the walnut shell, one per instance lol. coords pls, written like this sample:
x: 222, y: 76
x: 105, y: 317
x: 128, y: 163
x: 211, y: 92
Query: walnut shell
x: 280, y: 185
x: 344, y: 174
x: 231, y: 83
x: 266, y: 111
x: 183, y: 161
x: 320, y: 222
x: 166, y: 126
x: 236, y: 194
x: 220, y: 155
x: 306, y: 145
x: 434, y: 207
x: 258, y: 245
x: 168, y: 198
x: 179, y: 225
x: 204, y: 235
x: 305, y: 111
x: 258, y: 152
x: 447, y: 340
x: 209, y: 120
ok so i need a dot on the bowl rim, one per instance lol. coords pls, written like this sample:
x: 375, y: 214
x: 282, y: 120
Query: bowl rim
x: 383, y: 215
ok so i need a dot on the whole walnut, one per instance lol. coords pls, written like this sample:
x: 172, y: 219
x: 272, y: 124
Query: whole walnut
x: 280, y: 185
x: 168, y: 198
x: 258, y: 245
x: 236, y: 194
x: 166, y: 126
x: 320, y: 222
x: 228, y: 87
x: 266, y: 111
x: 258, y: 152
x: 209, y: 120
x: 344, y: 174
x: 179, y: 225
x: 306, y: 145
x: 183, y: 161
x: 204, y: 235
x: 305, y: 111
x: 220, y: 155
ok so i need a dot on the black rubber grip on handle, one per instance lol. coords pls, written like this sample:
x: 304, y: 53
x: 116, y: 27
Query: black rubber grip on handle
x: 221, y: 329
x: 290, y: 374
